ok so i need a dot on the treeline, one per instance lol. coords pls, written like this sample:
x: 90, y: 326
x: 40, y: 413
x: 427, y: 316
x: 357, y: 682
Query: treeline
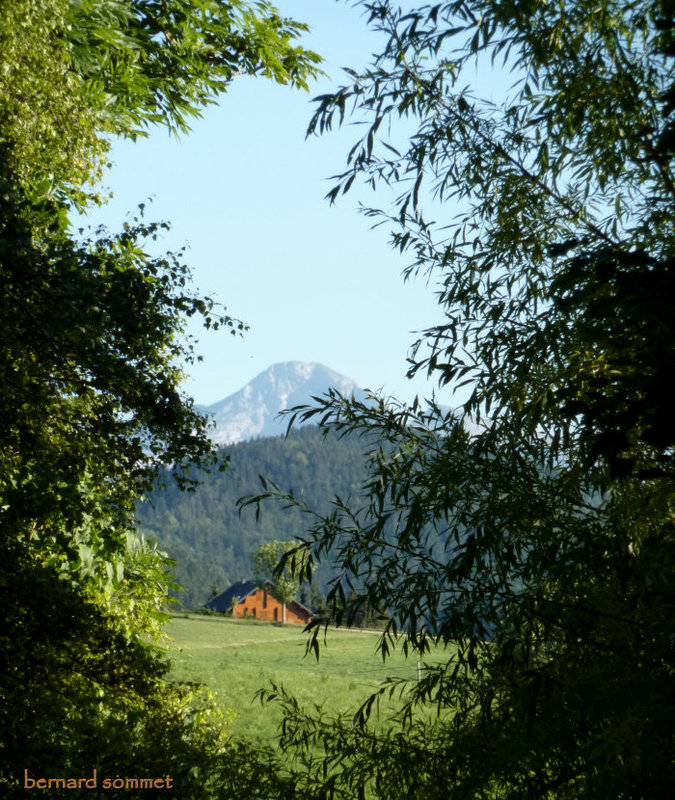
x: 212, y: 541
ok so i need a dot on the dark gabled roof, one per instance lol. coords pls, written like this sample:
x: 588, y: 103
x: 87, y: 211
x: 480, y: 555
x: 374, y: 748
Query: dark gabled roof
x: 223, y: 602
x: 242, y: 589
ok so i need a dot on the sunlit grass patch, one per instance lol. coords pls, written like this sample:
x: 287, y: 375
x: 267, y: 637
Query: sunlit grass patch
x: 236, y: 658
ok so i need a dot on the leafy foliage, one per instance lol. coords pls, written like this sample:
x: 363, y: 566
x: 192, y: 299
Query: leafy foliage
x: 268, y: 565
x: 77, y: 71
x: 80, y: 692
x: 91, y: 361
x: 537, y: 532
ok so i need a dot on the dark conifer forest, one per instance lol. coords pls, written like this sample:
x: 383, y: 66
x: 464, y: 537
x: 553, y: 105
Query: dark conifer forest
x: 212, y: 541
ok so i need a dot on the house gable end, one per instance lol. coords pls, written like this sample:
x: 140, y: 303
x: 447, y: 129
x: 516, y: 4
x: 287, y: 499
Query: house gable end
x: 223, y: 602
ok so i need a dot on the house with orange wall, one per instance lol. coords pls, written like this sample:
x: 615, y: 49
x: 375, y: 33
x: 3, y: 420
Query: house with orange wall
x: 247, y: 599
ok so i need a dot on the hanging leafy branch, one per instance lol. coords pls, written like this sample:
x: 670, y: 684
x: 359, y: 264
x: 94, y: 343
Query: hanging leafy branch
x: 531, y: 532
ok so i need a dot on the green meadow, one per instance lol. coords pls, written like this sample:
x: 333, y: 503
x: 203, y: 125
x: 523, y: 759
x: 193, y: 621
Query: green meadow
x: 236, y: 658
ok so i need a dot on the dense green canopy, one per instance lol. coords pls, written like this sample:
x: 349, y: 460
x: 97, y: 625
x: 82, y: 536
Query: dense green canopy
x: 534, y: 535
x: 91, y: 361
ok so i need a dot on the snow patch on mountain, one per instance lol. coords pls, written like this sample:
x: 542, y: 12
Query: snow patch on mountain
x: 253, y: 410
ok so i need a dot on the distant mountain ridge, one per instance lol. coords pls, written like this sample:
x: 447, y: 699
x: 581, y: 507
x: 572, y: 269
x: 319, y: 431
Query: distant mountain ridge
x: 253, y: 410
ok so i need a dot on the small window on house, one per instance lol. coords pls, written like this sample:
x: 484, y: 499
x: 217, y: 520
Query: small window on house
x: 276, y: 614
x: 264, y: 599
x: 253, y: 611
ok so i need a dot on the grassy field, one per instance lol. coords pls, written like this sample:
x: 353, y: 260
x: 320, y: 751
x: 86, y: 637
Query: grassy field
x: 235, y: 658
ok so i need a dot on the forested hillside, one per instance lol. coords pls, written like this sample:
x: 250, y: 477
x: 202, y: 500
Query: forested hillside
x: 204, y: 531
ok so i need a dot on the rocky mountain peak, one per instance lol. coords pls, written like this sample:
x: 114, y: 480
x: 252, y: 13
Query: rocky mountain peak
x: 252, y: 411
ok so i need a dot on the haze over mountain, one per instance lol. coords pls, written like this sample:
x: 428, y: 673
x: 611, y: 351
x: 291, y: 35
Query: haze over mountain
x: 253, y: 410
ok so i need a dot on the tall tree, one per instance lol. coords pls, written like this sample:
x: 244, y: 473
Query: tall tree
x: 269, y: 564
x: 533, y: 533
x: 77, y: 71
x: 91, y: 361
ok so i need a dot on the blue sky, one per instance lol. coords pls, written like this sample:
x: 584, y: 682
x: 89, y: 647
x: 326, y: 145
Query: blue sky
x: 245, y: 192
